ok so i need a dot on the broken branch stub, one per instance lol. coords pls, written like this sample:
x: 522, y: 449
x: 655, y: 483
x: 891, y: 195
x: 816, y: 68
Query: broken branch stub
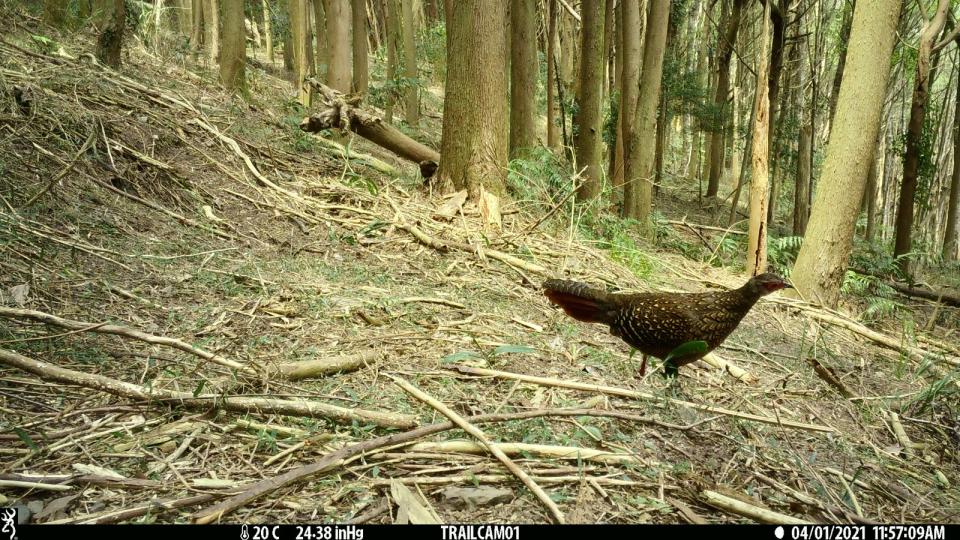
x: 342, y: 112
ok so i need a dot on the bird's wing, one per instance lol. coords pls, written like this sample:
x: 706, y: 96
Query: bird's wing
x: 653, y: 325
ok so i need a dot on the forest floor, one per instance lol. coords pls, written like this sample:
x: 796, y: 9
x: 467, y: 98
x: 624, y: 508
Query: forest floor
x: 170, y: 210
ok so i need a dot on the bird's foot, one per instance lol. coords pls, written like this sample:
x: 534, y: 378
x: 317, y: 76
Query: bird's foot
x: 670, y: 370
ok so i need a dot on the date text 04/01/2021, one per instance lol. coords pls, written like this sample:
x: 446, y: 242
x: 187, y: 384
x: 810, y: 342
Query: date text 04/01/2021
x: 865, y: 532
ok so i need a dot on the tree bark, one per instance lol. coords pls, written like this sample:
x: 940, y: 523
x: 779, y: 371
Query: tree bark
x: 298, y: 32
x: 727, y: 40
x: 268, y: 30
x: 234, y: 54
x: 801, y: 193
x: 412, y: 92
x: 801, y: 201
x: 55, y: 12
x: 339, y: 66
x: 196, y: 32
x: 824, y: 255
x: 777, y: 19
x: 393, y: 33
x: 211, y: 25
x: 609, y: 31
x: 553, y: 130
x: 474, y: 140
x: 760, y: 158
x: 870, y: 197
x: 841, y: 62
x: 589, y: 117
x: 184, y: 16
x: 950, y: 243
x: 629, y: 83
x: 334, y: 108
x: 524, y: 70
x: 640, y: 159
x: 110, y: 40
x: 918, y: 112
x: 319, y: 55
x: 361, y: 70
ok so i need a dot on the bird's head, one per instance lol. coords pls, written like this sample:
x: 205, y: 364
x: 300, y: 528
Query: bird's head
x: 764, y: 284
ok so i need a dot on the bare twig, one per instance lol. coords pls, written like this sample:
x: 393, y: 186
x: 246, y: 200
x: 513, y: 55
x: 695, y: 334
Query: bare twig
x: 494, y: 449
x: 203, y: 402
x: 48, y: 318
x: 640, y: 395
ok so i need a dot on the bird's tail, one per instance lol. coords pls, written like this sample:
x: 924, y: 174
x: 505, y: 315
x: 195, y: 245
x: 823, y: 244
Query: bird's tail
x: 580, y: 301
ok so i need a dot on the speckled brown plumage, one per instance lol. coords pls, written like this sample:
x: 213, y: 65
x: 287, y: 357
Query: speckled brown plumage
x: 657, y: 323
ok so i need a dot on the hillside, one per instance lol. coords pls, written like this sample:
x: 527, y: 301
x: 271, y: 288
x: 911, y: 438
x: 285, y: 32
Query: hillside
x: 167, y: 250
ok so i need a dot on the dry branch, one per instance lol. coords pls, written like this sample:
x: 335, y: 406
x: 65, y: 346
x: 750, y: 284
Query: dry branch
x: 501, y: 478
x: 494, y: 448
x: 546, y: 381
x: 231, y: 403
x: 347, y: 454
x: 125, y: 332
x: 327, y: 366
x: 342, y: 113
x: 543, y: 450
x: 727, y: 367
x: 444, y: 245
x: 755, y: 513
x: 811, y: 501
x: 882, y: 339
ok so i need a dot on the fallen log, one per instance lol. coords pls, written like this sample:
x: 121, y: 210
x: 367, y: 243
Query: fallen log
x: 341, y: 112
x: 915, y: 292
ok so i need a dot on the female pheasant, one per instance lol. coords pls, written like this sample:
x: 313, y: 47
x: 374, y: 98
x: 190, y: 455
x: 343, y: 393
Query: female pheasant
x: 657, y: 324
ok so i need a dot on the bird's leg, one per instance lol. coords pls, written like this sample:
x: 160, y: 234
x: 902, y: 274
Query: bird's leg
x: 643, y: 365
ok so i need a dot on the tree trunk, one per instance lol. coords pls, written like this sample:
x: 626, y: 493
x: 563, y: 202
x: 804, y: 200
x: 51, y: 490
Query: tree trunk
x: 640, y: 159
x: 268, y: 29
x: 339, y: 66
x: 316, y: 56
x: 703, y: 77
x: 524, y: 69
x: 553, y: 130
x: 568, y: 49
x: 412, y: 93
x: 361, y: 71
x: 55, y: 12
x: 196, y: 32
x: 760, y: 158
x: 393, y: 35
x: 299, y: 21
x: 234, y: 54
x: 474, y: 140
x: 950, y: 244
x: 319, y: 56
x: 777, y: 18
x: 110, y: 40
x: 211, y: 25
x: 608, y: 34
x: 184, y: 16
x: 870, y: 196
x: 824, y: 256
x: 629, y: 82
x: 842, y: 43
x: 918, y: 112
x: 801, y: 192
x: 801, y: 200
x: 589, y: 117
x: 727, y: 41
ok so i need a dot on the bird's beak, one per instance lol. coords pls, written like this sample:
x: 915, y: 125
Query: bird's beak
x: 788, y: 286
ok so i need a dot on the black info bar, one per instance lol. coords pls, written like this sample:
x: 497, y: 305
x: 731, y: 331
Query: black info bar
x: 481, y: 532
